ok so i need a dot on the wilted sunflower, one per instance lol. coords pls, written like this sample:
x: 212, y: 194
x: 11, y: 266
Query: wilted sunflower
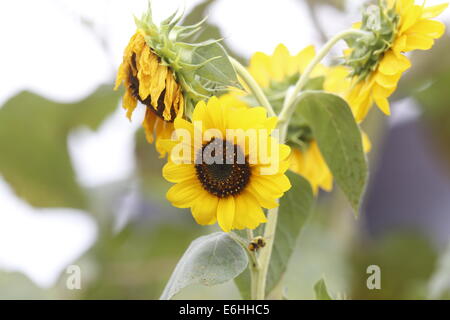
x: 164, y: 72
x: 230, y: 191
x: 377, y: 63
x: 275, y: 74
x: 148, y: 80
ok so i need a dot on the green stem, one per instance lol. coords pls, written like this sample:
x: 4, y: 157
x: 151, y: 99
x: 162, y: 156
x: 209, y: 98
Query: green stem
x: 266, y: 252
x: 253, y: 85
x: 284, y: 116
x: 289, y: 102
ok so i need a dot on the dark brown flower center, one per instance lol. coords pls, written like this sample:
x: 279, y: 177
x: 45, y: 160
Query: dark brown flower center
x: 224, y: 171
x: 134, y: 88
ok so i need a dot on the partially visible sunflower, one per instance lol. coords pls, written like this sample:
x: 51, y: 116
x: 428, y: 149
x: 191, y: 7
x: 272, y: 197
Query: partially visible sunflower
x: 276, y: 74
x: 148, y: 80
x: 311, y: 165
x: 376, y: 66
x: 228, y: 191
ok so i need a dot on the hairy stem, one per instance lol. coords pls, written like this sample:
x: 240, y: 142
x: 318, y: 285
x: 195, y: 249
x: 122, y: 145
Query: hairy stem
x: 254, y: 86
x: 289, y: 102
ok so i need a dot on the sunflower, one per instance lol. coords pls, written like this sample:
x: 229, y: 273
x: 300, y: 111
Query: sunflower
x: 149, y: 81
x: 234, y: 188
x: 275, y: 74
x: 398, y: 26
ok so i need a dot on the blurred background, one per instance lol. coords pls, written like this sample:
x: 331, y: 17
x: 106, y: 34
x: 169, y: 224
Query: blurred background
x: 79, y: 185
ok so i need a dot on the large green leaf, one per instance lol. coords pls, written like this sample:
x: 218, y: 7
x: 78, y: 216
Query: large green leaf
x: 294, y: 211
x: 321, y: 291
x: 339, y: 140
x: 209, y: 260
x: 219, y: 70
x: 33, y: 142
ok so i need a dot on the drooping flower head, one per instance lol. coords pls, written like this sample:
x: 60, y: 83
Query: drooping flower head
x: 276, y: 73
x: 153, y: 84
x: 376, y: 63
x: 229, y: 167
x: 163, y: 73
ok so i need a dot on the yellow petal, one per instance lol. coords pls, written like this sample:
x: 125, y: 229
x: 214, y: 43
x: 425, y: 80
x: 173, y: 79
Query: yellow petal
x: 225, y: 213
x: 409, y: 18
x: 383, y: 104
x: 129, y: 103
x: 264, y: 200
x: 279, y: 182
x: 248, y: 212
x: 367, y: 145
x: 418, y: 42
x: 184, y: 194
x: 178, y: 172
x: 204, y: 209
x: 392, y: 64
x: 387, y: 81
x: 279, y: 63
x: 434, y: 11
x: 149, y: 124
x: 304, y: 57
x: 259, y: 68
x: 430, y: 28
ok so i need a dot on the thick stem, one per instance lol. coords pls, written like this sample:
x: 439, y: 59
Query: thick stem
x: 264, y: 257
x: 289, y: 102
x: 254, y: 86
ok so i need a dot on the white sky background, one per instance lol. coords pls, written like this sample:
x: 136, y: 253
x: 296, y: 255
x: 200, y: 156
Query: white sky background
x: 47, y: 49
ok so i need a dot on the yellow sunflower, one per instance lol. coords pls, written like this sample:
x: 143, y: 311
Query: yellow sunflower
x: 311, y: 165
x: 235, y: 187
x: 276, y: 73
x: 152, y: 83
x: 376, y: 68
x: 281, y: 68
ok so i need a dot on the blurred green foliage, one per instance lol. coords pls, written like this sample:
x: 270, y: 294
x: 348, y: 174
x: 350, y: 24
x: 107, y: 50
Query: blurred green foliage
x: 33, y: 142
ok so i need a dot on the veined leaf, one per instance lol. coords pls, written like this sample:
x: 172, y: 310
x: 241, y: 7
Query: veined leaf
x: 339, y: 140
x: 218, y: 70
x: 209, y: 260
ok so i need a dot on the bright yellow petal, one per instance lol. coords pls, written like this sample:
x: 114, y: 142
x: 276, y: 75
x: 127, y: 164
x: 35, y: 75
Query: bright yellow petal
x: 204, y: 209
x: 178, y: 172
x: 248, y: 212
x: 409, y: 17
x: 418, y: 42
x: 184, y: 194
x: 225, y: 213
x: 393, y: 64
x: 367, y: 145
x: 279, y: 63
x: 304, y: 57
x: 259, y: 68
x: 434, y: 11
x: 383, y: 104
x: 430, y: 28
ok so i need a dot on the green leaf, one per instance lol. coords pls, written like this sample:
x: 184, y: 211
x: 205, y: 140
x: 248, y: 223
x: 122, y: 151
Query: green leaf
x: 321, y: 291
x: 209, y: 260
x: 219, y: 70
x: 339, y: 140
x: 293, y: 213
x: 33, y: 143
